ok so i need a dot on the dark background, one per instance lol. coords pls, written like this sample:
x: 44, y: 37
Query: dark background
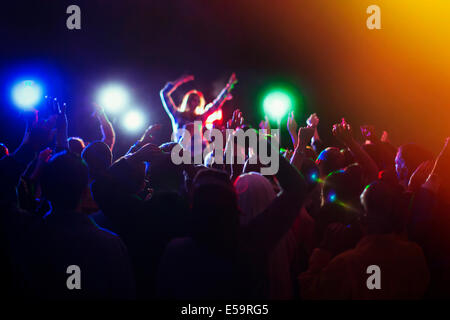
x: 321, y: 48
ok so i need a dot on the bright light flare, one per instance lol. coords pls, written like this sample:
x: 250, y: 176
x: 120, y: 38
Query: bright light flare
x: 113, y: 98
x: 133, y: 120
x: 276, y: 104
x: 26, y: 94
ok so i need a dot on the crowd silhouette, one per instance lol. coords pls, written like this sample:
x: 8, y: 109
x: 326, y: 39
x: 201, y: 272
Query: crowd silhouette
x: 140, y: 227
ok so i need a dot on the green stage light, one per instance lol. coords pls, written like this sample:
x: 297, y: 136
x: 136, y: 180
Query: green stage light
x: 277, y: 103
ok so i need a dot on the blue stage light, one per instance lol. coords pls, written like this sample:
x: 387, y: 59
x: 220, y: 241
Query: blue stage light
x: 26, y: 94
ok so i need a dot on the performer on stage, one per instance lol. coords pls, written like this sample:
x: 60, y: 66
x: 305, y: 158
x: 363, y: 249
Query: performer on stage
x: 192, y: 107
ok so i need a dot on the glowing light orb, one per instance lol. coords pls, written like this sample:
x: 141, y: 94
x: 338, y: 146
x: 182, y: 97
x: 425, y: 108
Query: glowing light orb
x: 26, y: 94
x: 113, y: 98
x: 133, y: 120
x: 276, y: 104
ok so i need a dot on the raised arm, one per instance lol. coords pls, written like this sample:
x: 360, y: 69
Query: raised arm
x: 266, y: 230
x: 343, y: 132
x: 165, y: 94
x: 61, y: 126
x: 316, y: 143
x: 147, y: 137
x: 305, y: 135
x: 440, y: 169
x: 292, y: 129
x: 108, y: 134
x: 223, y: 96
x: 37, y: 135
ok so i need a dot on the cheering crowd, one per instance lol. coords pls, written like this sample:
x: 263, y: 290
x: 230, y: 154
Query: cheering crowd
x: 140, y: 227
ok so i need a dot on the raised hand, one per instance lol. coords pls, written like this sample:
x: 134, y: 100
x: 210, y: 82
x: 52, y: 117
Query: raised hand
x: 61, y: 116
x: 39, y: 131
x: 292, y: 125
x: 99, y: 111
x: 343, y: 132
x: 443, y: 160
x: 265, y: 125
x: 305, y: 135
x: 369, y: 133
x: 232, y: 80
x: 58, y: 119
x: 420, y: 175
x: 384, y: 137
x: 236, y: 121
x: 313, y: 120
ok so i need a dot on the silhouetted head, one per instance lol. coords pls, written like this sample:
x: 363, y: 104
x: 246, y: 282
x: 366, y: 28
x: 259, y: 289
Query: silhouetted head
x: 76, y: 145
x: 255, y: 193
x: 214, y: 208
x: 164, y: 175
x: 64, y: 179
x: 340, y: 196
x: 3, y: 150
x: 384, y: 207
x: 329, y: 160
x: 408, y: 158
x: 311, y: 173
x: 98, y: 157
x: 342, y: 186
x: 130, y: 176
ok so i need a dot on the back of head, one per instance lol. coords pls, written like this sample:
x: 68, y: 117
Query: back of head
x: 98, y: 157
x: 311, y: 173
x: 254, y: 193
x: 64, y: 179
x: 341, y: 191
x: 130, y: 178
x: 384, y: 207
x: 164, y: 175
x: 214, y: 208
x: 76, y: 145
x: 329, y: 160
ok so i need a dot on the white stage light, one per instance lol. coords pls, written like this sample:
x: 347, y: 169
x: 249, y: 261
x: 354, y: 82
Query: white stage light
x: 113, y: 98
